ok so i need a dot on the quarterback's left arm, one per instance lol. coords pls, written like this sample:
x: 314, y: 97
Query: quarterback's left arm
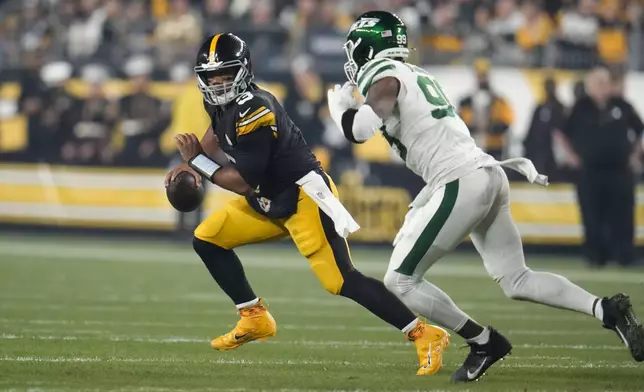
x: 253, y: 152
x: 227, y: 177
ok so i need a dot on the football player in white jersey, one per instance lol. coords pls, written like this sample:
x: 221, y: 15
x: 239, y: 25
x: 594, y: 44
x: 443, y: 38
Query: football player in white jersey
x: 467, y: 193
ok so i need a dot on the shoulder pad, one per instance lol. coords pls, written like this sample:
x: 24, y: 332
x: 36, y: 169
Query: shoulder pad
x: 373, y: 71
x: 253, y: 112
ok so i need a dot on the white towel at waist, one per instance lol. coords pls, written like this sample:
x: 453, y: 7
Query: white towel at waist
x: 521, y: 165
x: 313, y: 185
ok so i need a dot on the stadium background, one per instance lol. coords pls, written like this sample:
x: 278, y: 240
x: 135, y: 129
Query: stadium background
x: 85, y: 142
x: 92, y: 92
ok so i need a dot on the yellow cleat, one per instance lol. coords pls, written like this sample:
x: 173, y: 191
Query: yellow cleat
x: 255, y: 324
x: 431, y: 342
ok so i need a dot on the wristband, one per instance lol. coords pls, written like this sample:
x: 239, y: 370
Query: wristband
x: 347, y: 124
x: 204, y: 166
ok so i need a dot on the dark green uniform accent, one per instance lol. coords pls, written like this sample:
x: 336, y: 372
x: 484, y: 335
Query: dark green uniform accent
x: 369, y: 67
x: 394, y: 142
x: 429, y: 234
x: 380, y: 70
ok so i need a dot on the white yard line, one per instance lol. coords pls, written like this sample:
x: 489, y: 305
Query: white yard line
x: 293, y: 327
x: 161, y: 389
x: 505, y: 307
x: 208, y: 310
x: 102, y: 253
x: 298, y: 362
x: 360, y: 344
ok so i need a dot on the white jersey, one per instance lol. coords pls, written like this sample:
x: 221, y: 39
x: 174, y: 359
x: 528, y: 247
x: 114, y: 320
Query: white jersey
x: 425, y: 130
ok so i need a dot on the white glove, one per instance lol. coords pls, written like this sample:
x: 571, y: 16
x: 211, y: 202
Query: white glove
x: 340, y: 98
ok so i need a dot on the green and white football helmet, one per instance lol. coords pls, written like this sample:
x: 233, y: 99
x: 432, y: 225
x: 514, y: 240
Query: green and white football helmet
x: 375, y: 34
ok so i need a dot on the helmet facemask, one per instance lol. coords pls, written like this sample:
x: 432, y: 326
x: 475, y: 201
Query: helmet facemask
x: 359, y: 54
x: 356, y: 59
x: 221, y: 93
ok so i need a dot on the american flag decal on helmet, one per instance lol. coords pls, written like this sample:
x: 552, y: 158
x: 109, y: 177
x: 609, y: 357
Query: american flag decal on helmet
x: 386, y: 33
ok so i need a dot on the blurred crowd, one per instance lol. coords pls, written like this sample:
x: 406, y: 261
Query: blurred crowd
x: 562, y: 33
x: 95, y: 81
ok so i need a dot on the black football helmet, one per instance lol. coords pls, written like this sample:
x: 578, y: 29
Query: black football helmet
x: 223, y: 55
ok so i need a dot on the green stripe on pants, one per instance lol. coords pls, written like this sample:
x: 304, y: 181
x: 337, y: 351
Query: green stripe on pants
x: 430, y: 232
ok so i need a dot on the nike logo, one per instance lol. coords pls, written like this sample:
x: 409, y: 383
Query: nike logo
x: 429, y: 358
x: 474, y: 374
x: 242, y: 114
x: 622, y: 336
x: 231, y: 158
x: 238, y: 337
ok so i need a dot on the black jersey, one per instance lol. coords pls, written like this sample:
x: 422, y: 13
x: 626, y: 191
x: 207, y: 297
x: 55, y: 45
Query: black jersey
x: 266, y: 147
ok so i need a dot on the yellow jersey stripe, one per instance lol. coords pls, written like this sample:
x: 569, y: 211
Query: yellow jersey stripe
x: 253, y: 118
x: 267, y: 119
x: 249, y: 116
x: 213, y: 43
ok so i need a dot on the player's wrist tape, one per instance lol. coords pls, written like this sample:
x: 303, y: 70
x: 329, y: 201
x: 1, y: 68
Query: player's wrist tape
x: 361, y: 124
x: 204, y: 165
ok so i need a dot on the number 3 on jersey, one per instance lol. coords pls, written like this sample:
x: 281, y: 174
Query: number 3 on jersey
x: 245, y: 97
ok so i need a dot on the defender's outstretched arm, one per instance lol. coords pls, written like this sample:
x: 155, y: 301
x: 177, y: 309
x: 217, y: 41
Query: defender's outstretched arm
x: 359, y: 125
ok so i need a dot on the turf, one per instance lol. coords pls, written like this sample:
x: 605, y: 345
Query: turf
x: 79, y: 314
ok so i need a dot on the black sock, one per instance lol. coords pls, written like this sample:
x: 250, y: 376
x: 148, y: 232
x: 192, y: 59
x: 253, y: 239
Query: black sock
x: 597, y: 300
x: 470, y: 330
x: 374, y: 296
x: 226, y: 269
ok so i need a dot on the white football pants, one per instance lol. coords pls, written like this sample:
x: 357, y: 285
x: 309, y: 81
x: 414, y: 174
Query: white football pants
x: 476, y: 205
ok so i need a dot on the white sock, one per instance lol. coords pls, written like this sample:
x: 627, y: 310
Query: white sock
x: 598, y: 309
x: 482, y: 338
x: 410, y: 326
x: 248, y: 304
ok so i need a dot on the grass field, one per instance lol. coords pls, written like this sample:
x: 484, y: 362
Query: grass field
x: 97, y: 315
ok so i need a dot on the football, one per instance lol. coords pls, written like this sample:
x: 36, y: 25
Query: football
x: 183, y: 193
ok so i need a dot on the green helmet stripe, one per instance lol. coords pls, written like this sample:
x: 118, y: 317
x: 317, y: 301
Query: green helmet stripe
x: 371, y: 65
x: 365, y: 87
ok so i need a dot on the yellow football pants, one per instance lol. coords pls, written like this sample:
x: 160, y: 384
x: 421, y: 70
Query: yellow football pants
x: 311, y: 229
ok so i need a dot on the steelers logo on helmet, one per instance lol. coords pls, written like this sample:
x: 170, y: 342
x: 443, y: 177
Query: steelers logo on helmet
x: 223, y: 68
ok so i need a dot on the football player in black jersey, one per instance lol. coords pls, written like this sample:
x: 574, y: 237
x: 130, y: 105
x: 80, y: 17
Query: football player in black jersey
x: 252, y: 148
